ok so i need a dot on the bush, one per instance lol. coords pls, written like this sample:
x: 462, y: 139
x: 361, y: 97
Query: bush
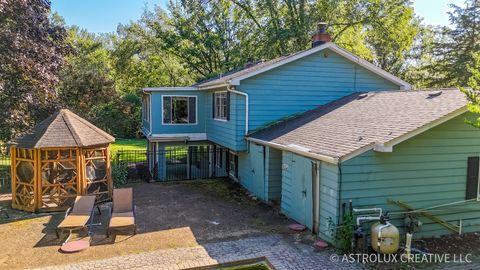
x: 119, y: 173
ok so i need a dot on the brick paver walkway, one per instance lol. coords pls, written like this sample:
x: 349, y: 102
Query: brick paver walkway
x: 280, y: 253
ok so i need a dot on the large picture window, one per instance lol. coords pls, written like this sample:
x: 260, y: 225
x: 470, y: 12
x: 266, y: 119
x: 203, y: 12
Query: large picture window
x: 220, y: 108
x: 179, y: 110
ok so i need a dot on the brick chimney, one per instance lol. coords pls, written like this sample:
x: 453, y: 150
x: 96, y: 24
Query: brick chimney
x: 321, y: 36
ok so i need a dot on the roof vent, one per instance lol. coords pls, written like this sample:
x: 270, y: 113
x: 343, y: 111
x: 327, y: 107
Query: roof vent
x: 363, y: 95
x: 298, y: 147
x: 434, y: 94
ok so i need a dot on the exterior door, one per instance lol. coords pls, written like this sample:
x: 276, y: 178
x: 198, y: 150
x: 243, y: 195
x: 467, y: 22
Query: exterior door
x: 258, y: 170
x: 301, y: 173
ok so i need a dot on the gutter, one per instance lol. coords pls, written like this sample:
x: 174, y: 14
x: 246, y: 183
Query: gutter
x: 328, y: 159
x: 213, y: 86
x: 232, y: 89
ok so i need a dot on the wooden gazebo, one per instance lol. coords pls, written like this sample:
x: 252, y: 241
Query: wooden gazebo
x: 60, y: 158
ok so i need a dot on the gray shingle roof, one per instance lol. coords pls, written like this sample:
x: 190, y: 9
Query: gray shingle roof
x: 360, y: 120
x: 63, y: 129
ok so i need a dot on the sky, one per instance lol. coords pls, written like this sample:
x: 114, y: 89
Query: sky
x: 100, y: 16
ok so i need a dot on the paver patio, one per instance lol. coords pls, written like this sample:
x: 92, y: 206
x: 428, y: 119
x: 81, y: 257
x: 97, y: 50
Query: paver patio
x: 171, y: 218
x: 281, y: 253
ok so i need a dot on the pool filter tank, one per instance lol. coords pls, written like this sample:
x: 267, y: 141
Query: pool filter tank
x: 385, y: 236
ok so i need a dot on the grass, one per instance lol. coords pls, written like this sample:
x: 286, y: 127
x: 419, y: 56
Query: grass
x: 129, y: 144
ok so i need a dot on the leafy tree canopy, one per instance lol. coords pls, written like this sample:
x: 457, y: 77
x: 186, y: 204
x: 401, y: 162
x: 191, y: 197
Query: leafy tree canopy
x: 32, y: 50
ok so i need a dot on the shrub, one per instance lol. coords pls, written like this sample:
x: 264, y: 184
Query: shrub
x: 119, y: 173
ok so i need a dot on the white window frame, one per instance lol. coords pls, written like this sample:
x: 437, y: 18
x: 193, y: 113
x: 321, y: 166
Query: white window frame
x: 231, y: 172
x: 188, y: 108
x: 219, y: 156
x: 147, y: 108
x: 216, y: 116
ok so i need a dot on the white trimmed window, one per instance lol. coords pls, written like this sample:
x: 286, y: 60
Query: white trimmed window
x: 221, y: 106
x: 233, y: 165
x: 146, y: 108
x: 178, y: 110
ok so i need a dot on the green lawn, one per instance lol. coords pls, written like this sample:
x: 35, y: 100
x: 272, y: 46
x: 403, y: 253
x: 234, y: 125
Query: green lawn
x: 129, y: 144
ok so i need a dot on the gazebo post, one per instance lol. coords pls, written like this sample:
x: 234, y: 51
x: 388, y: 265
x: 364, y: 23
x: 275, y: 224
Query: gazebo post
x: 79, y: 164
x: 13, y: 175
x: 37, y: 179
x: 108, y: 171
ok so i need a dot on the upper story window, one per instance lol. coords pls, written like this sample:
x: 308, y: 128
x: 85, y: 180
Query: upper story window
x: 221, y: 106
x: 179, y: 110
x: 146, y: 108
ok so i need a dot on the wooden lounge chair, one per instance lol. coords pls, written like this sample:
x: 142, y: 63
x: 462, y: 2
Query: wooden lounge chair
x: 122, y: 213
x: 79, y: 217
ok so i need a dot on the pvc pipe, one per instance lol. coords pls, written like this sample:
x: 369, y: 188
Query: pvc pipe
x: 380, y: 234
x: 408, y: 244
x: 376, y: 209
x: 366, y: 218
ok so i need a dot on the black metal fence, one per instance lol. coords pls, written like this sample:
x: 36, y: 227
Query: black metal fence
x: 170, y: 164
x: 174, y: 163
x: 5, y: 183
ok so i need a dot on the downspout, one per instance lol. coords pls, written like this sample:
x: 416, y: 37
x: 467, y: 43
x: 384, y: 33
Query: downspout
x: 232, y: 89
x: 151, y: 115
x: 339, y: 199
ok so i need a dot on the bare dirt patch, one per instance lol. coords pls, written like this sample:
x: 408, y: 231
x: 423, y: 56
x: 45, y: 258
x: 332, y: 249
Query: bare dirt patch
x: 168, y: 215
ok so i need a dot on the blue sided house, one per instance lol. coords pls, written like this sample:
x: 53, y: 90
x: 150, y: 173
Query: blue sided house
x: 320, y: 128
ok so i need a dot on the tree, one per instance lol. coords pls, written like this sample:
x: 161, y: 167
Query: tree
x: 454, y: 51
x: 473, y: 92
x: 213, y: 37
x: 32, y: 52
x: 85, y: 79
x: 139, y: 59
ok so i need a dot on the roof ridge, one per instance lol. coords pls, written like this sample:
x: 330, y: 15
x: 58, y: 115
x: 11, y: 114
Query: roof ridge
x: 91, y: 126
x: 70, y: 127
x: 48, y: 120
x: 414, y: 91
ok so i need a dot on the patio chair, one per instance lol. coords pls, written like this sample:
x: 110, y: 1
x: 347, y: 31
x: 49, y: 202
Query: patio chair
x: 122, y: 213
x: 79, y: 217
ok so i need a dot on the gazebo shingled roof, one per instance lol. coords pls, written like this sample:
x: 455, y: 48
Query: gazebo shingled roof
x: 64, y: 129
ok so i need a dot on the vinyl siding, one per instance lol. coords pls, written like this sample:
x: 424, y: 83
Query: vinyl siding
x: 329, y: 187
x: 229, y: 133
x: 281, y: 92
x: 426, y: 170
x: 159, y: 128
x: 305, y: 84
